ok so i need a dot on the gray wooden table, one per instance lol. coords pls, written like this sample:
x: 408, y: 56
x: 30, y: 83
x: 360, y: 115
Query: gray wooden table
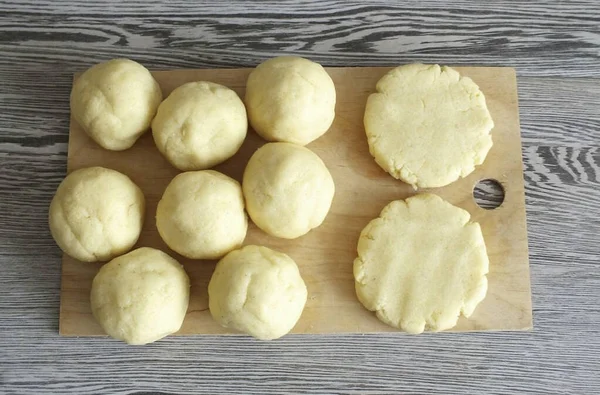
x: 556, y: 50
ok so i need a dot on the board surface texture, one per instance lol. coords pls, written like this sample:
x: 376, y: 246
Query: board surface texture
x: 325, y: 255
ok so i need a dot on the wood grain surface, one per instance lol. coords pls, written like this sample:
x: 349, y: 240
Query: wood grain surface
x: 555, y: 48
x: 325, y: 255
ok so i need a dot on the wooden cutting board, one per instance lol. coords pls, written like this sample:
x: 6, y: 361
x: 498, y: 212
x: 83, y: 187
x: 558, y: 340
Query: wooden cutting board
x: 325, y: 255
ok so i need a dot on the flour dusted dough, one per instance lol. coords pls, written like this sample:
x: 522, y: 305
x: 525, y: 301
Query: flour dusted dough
x: 257, y: 291
x: 421, y: 264
x: 96, y: 214
x: 114, y: 102
x: 288, y: 189
x: 290, y: 99
x: 427, y: 125
x: 200, y: 125
x: 201, y: 215
x: 140, y: 297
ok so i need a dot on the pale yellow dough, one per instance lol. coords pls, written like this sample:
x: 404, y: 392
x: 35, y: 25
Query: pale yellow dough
x: 140, y: 297
x: 427, y: 125
x: 114, y: 102
x: 201, y: 215
x: 96, y: 214
x: 288, y: 189
x: 200, y: 125
x: 421, y: 264
x: 257, y: 291
x: 290, y: 99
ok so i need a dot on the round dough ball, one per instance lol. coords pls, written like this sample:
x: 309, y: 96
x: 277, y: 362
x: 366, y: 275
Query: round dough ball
x: 96, y: 214
x: 288, y: 189
x: 257, y: 291
x: 114, y: 102
x: 140, y: 297
x: 427, y: 125
x: 200, y: 125
x: 421, y: 264
x: 201, y: 215
x: 290, y: 99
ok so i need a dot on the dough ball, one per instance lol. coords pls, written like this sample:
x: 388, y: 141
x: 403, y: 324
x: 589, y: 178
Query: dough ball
x: 427, y: 125
x: 421, y: 264
x: 288, y: 189
x: 290, y: 99
x: 140, y: 297
x: 114, y: 102
x: 257, y: 291
x: 200, y: 125
x: 96, y: 214
x: 201, y: 215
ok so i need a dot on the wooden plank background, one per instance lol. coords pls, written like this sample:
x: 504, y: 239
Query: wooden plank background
x: 555, y: 47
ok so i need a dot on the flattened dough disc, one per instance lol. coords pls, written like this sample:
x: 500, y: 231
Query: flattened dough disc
x: 427, y: 126
x: 421, y: 264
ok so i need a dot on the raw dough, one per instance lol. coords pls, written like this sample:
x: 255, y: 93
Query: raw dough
x: 140, y: 297
x: 427, y: 125
x: 421, y: 264
x: 290, y: 99
x: 200, y: 125
x: 288, y: 189
x: 114, y: 102
x: 201, y: 215
x: 96, y: 214
x: 257, y: 291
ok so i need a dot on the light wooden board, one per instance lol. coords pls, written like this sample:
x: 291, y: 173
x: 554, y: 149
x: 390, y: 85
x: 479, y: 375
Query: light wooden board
x: 325, y: 255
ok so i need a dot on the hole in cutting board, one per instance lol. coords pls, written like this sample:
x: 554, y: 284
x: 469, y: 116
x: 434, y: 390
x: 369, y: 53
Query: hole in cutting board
x: 488, y: 194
